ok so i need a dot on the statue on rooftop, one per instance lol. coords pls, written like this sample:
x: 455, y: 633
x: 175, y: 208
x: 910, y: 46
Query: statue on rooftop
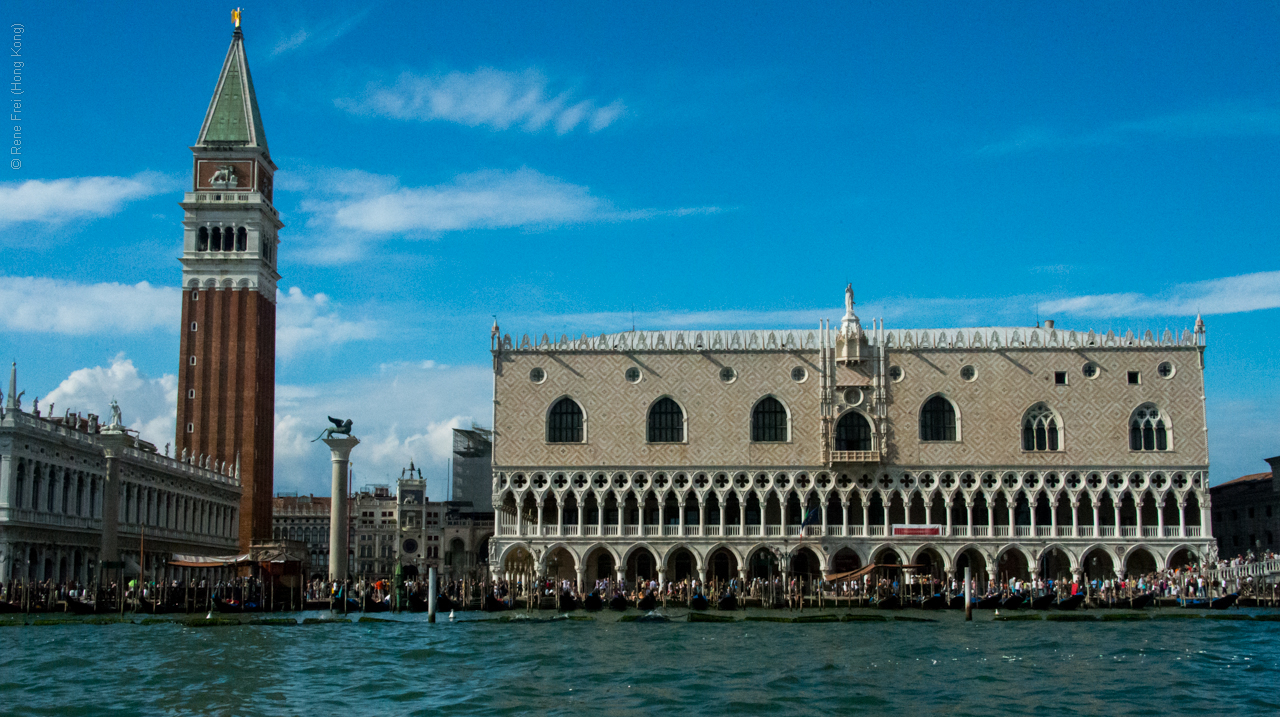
x: 116, y: 419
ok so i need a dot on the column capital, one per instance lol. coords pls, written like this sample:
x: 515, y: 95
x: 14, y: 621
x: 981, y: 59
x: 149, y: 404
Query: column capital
x: 340, y: 448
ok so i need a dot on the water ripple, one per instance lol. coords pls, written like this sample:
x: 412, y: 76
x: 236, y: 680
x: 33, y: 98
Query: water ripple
x: 560, y: 668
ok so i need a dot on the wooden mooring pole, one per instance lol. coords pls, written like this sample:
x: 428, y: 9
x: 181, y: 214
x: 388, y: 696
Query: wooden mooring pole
x: 968, y: 602
x: 431, y: 595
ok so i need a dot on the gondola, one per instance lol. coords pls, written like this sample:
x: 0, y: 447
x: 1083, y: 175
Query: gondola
x: 1013, y: 602
x: 935, y: 602
x: 957, y: 603
x: 698, y: 602
x: 889, y: 602
x: 153, y: 607
x: 988, y: 603
x: 221, y: 605
x: 8, y: 607
x: 593, y: 603
x: 1071, y: 603
x: 618, y: 603
x: 80, y: 607
x: 728, y: 602
x: 1044, y: 602
x: 493, y: 604
x: 648, y: 602
x: 1139, y: 602
x: 1224, y: 602
x: 371, y: 605
x: 568, y: 602
x: 444, y: 603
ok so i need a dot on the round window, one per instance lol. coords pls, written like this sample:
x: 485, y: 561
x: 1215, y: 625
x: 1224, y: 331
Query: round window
x: 633, y: 375
x: 537, y: 375
x: 798, y: 374
x: 727, y: 374
x: 968, y: 373
x: 853, y: 396
x: 895, y: 373
x: 1165, y: 369
x: 1090, y: 370
x: 410, y: 546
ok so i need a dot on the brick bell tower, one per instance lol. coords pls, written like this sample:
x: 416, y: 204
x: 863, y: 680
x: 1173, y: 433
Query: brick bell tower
x: 227, y: 366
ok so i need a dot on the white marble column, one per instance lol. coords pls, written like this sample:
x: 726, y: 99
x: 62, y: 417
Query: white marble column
x: 339, y: 510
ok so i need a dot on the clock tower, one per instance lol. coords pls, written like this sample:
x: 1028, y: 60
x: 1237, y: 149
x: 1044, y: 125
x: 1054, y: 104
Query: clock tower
x: 227, y: 362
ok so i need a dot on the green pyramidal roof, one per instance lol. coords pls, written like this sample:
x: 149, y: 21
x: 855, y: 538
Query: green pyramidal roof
x: 233, y: 116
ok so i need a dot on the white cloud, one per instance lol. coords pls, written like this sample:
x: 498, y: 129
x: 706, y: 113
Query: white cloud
x: 318, y: 35
x: 1217, y: 122
x: 307, y: 323
x: 404, y: 412
x: 148, y: 405
x: 41, y: 305
x: 482, y: 200
x: 59, y: 200
x: 351, y: 208
x: 486, y: 97
x: 1229, y: 295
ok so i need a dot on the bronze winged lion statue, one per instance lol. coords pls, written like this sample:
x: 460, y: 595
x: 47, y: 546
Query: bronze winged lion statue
x: 340, y: 428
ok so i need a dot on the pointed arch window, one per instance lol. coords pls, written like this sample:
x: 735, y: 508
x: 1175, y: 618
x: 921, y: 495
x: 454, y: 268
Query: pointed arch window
x: 938, y: 420
x: 769, y: 423
x: 853, y: 432
x: 564, y: 422
x: 1148, y: 429
x: 1040, y: 429
x: 666, y: 422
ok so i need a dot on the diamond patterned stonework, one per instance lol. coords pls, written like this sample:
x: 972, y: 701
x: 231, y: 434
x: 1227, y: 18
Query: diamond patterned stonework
x: 609, y: 500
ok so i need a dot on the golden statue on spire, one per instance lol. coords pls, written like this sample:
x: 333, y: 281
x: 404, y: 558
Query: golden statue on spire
x: 235, y: 17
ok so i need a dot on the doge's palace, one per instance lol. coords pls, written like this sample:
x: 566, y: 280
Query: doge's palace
x: 1015, y: 451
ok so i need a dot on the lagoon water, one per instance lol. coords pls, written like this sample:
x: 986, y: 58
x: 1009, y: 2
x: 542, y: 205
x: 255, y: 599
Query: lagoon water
x: 1151, y: 667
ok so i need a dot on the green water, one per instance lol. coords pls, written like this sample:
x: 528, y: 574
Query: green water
x: 606, y: 666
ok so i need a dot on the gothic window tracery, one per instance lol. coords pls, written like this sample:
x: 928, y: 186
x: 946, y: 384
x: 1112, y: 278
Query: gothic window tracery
x: 1148, y: 429
x: 1040, y: 429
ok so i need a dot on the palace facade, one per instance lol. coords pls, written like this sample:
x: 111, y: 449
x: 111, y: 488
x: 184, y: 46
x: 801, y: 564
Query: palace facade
x: 717, y: 454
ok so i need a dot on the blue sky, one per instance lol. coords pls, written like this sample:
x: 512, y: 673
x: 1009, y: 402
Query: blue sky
x: 716, y: 165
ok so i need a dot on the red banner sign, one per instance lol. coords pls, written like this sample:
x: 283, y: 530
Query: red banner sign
x: 917, y: 529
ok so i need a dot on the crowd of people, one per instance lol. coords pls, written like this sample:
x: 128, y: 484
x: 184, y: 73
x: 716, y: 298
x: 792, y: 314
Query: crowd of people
x: 132, y: 595
x: 1188, y: 582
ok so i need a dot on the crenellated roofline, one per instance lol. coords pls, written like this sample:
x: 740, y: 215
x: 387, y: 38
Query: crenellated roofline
x: 975, y: 338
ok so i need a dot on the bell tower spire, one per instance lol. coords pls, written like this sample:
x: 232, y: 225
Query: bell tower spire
x: 226, y: 366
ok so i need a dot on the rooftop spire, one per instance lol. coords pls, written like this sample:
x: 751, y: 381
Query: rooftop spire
x: 233, y: 118
x: 13, y: 388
